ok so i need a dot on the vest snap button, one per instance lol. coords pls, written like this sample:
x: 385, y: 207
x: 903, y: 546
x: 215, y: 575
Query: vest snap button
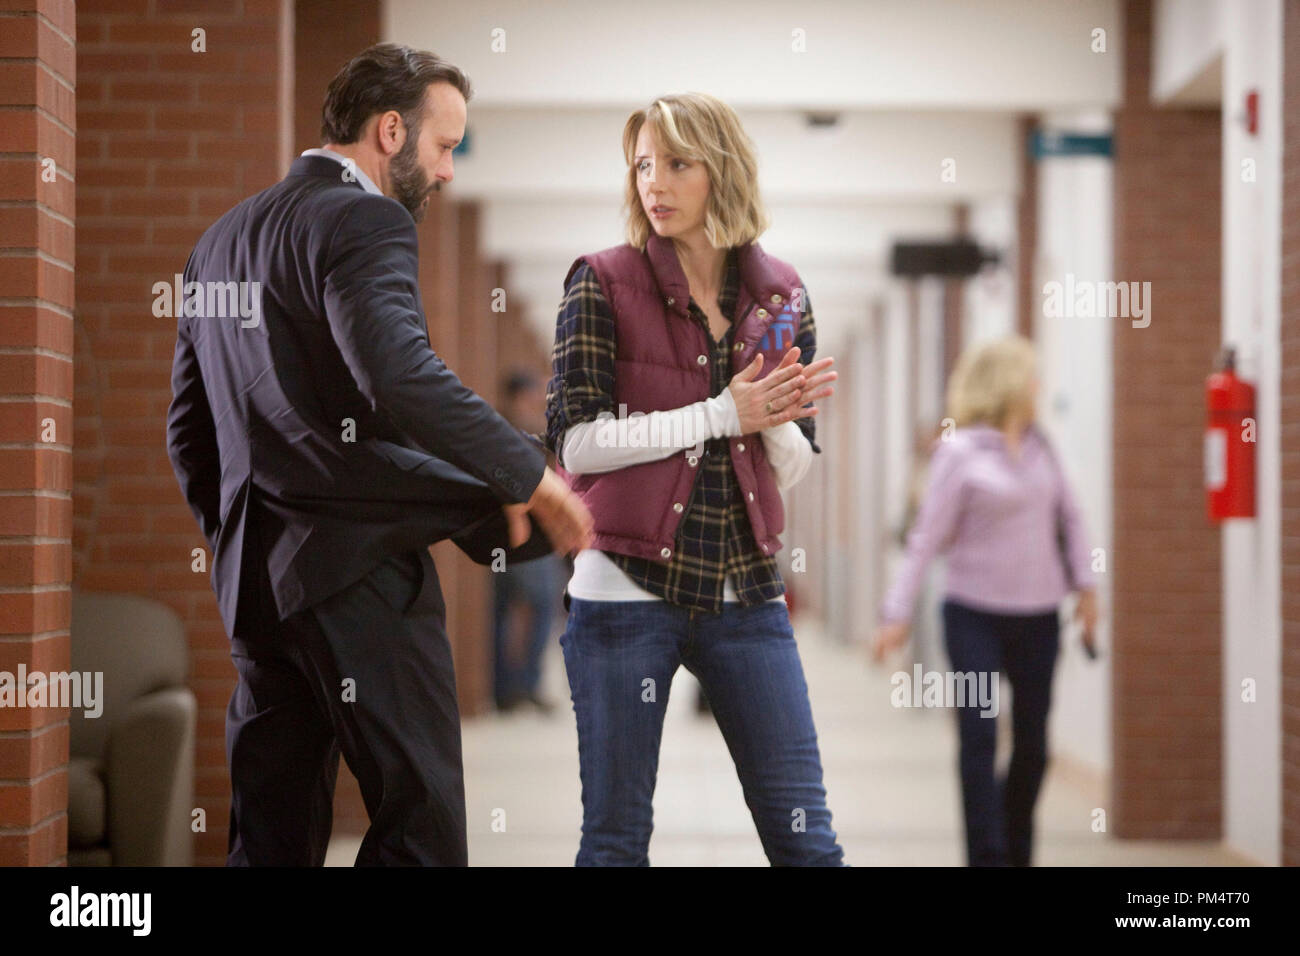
x: 738, y: 346
x: 751, y: 496
x: 740, y: 446
x: 762, y: 313
x: 669, y: 301
x: 677, y: 506
x: 665, y: 553
x: 702, y: 359
x: 692, y: 461
x: 776, y: 300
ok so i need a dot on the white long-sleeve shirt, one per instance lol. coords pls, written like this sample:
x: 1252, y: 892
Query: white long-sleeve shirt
x: 605, y: 445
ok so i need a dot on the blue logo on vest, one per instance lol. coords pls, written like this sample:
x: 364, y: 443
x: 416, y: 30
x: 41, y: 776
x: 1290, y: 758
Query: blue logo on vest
x: 776, y: 335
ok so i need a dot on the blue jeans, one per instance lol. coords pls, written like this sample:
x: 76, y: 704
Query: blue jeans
x: 1000, y: 812
x: 621, y: 657
x: 537, y: 584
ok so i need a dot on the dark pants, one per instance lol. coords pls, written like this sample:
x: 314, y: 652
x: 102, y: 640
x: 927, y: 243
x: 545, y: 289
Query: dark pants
x: 368, y: 673
x: 621, y: 657
x: 999, y: 813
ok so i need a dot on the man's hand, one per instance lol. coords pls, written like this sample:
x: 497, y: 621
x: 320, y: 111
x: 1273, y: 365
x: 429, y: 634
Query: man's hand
x: 563, y: 517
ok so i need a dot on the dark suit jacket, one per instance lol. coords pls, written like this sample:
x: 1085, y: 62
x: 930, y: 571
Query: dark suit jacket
x: 320, y: 434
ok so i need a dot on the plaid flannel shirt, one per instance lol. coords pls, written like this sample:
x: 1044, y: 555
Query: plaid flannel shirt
x: 714, y: 538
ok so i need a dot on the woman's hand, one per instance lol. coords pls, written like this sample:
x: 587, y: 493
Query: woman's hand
x: 1085, y: 611
x: 889, y: 637
x: 773, y: 400
x: 779, y: 397
x: 817, y: 379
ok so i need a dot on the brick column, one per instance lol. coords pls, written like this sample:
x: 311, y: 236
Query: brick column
x: 326, y: 34
x: 469, y: 626
x: 37, y: 79
x: 1166, y: 564
x: 1027, y: 294
x: 1290, y: 335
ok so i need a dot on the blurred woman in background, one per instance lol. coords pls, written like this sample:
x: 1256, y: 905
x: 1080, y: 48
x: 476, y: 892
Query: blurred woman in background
x: 706, y: 339
x: 1000, y: 507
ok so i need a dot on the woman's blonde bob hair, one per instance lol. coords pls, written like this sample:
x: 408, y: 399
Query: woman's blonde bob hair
x: 991, y: 381
x: 702, y: 128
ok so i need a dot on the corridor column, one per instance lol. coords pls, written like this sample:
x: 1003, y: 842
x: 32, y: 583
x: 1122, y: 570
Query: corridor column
x: 37, y: 76
x: 1167, y: 709
x: 1290, y: 407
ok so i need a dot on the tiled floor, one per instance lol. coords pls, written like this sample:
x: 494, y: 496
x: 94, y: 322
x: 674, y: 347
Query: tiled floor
x: 890, y: 775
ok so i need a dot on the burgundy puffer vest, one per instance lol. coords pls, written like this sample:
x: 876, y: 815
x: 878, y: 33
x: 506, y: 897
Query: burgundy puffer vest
x: 663, y: 362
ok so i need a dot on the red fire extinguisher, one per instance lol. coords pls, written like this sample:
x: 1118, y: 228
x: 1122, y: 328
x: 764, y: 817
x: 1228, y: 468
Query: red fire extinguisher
x: 1229, y: 442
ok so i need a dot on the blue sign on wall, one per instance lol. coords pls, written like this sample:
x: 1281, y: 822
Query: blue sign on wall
x: 1054, y: 143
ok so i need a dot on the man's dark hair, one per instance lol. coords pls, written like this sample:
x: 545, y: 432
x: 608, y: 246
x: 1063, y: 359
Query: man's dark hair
x: 386, y: 76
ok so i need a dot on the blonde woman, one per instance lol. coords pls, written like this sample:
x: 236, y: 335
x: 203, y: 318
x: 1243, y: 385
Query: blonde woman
x: 999, y: 505
x: 707, y: 342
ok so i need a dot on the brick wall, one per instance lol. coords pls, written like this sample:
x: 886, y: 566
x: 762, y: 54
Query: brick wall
x: 37, y: 122
x: 168, y: 139
x: 1166, y: 564
x: 1290, y: 755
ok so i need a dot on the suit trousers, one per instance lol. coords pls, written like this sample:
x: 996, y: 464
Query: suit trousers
x: 367, y: 673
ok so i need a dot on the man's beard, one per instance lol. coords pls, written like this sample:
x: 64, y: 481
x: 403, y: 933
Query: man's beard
x: 409, y: 181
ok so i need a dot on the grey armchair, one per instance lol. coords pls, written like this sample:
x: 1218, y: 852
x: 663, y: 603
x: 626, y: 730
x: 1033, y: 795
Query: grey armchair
x: 131, y: 772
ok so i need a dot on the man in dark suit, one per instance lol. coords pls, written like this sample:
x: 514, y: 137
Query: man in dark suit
x: 323, y: 446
